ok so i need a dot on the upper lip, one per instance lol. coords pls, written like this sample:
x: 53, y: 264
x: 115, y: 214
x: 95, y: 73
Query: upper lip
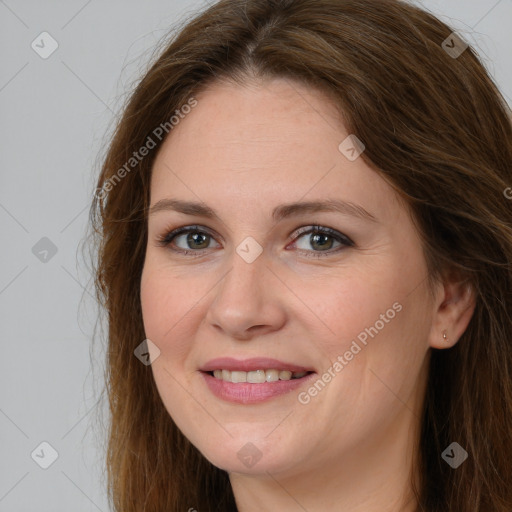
x: 252, y: 364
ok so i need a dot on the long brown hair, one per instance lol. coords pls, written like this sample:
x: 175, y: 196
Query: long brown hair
x: 435, y: 126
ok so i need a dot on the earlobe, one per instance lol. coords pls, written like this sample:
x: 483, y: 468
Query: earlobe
x: 452, y: 314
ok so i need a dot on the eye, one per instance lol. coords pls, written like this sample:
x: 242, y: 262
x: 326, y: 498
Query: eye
x: 197, y: 240
x: 319, y: 238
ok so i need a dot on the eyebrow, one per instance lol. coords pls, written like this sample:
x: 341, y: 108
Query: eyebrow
x: 280, y: 212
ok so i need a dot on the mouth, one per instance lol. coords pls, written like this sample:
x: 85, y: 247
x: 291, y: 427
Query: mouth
x: 253, y: 380
x: 256, y: 376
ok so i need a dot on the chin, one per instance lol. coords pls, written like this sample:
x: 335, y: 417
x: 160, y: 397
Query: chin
x: 250, y: 456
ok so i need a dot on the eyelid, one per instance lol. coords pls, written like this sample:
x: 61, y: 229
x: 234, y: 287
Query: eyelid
x: 168, y: 235
x: 296, y: 233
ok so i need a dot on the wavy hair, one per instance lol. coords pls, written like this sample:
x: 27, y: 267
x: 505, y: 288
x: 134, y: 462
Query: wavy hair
x: 435, y: 127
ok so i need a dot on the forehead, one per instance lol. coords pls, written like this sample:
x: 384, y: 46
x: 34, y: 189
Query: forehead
x: 268, y: 115
x: 263, y: 144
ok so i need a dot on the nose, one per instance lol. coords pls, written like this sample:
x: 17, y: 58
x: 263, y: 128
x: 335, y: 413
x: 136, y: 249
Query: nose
x: 248, y: 301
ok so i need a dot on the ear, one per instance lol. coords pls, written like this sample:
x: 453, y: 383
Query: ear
x: 454, y: 306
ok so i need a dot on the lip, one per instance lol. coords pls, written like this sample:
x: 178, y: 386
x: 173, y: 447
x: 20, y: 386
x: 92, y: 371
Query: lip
x: 252, y: 364
x: 245, y: 392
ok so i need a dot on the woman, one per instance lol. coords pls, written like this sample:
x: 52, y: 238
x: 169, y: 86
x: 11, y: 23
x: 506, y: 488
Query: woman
x: 305, y: 256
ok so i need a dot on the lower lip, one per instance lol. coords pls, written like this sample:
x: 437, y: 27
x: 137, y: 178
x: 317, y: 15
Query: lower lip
x: 247, y: 393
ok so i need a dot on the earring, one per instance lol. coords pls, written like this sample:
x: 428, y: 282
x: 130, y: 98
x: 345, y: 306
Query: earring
x: 445, y: 337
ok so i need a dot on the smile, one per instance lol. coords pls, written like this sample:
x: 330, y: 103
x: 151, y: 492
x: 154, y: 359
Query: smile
x: 249, y: 381
x: 256, y: 376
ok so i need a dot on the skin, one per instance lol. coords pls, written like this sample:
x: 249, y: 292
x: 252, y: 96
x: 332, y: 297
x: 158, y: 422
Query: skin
x: 243, y: 150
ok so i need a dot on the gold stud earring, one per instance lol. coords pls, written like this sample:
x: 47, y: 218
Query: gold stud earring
x: 445, y: 337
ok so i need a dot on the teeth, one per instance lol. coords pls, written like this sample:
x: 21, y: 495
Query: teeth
x: 271, y: 375
x: 238, y: 377
x: 257, y: 376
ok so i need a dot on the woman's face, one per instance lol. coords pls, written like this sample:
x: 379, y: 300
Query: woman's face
x: 259, y: 295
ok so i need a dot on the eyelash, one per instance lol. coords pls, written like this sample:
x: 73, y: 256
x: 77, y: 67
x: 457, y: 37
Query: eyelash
x: 166, y: 239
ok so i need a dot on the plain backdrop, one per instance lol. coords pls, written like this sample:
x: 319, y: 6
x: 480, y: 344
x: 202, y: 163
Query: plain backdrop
x: 56, y: 111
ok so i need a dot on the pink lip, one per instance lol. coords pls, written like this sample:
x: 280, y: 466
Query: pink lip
x: 247, y: 393
x: 248, y: 365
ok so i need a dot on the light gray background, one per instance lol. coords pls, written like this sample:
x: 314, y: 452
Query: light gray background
x: 55, y: 117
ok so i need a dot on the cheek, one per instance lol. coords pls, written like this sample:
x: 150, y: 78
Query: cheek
x: 378, y: 319
x: 379, y: 338
x: 152, y: 298
x: 356, y: 306
x: 166, y: 304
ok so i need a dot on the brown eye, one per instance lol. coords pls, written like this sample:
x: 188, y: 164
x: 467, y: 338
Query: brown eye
x: 196, y: 240
x: 322, y: 239
x: 192, y: 239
